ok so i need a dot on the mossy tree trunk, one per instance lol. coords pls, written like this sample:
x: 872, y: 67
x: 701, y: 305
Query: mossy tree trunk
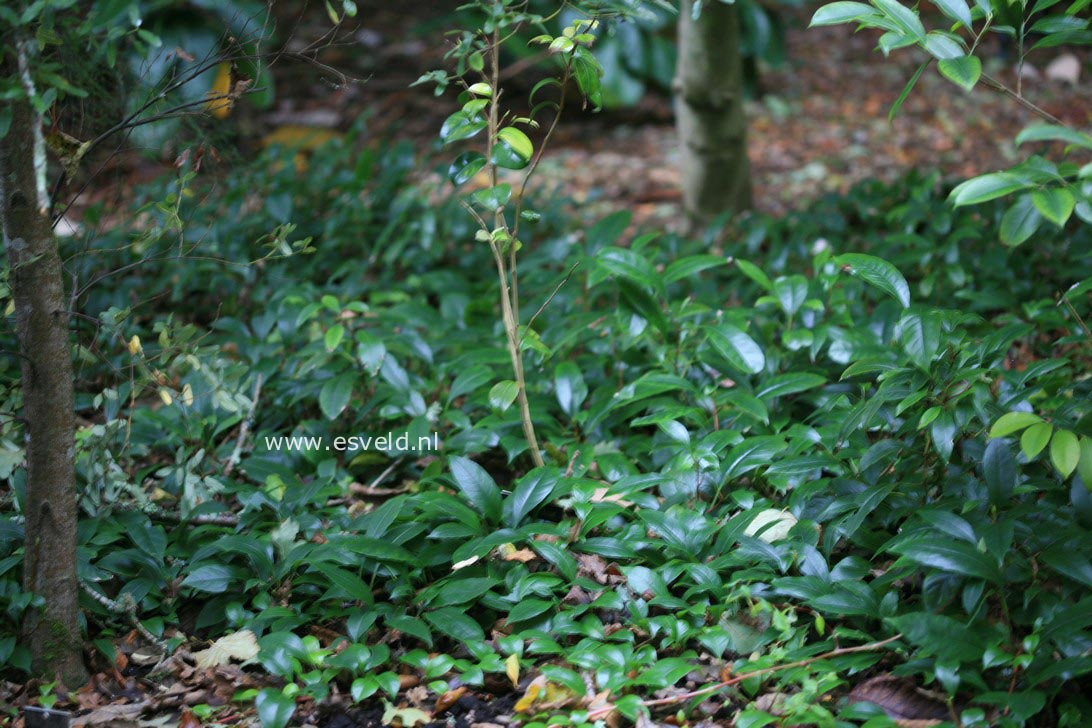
x: 36, y: 277
x: 709, y: 116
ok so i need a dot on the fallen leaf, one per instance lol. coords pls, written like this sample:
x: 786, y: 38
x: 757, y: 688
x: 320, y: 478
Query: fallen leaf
x: 404, y: 717
x: 241, y: 646
x: 448, y: 699
x: 771, y: 525
x: 511, y: 669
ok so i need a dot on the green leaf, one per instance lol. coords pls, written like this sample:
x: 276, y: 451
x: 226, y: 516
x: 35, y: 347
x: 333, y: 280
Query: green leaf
x: 950, y: 556
x: 478, y: 487
x: 907, y: 20
x: 963, y: 71
x: 1084, y: 465
x: 1011, y: 422
x: 211, y: 578
x: 461, y: 125
x: 275, y: 708
x: 842, y: 12
x: 943, y: 46
x: 335, y: 393
x: 465, y: 166
x: 493, y: 198
x: 905, y: 94
x: 986, y: 187
x: 456, y: 624
x: 1054, y: 133
x: 791, y: 292
x: 1071, y: 563
x: 1035, y: 438
x: 750, y: 454
x: 412, y: 626
x: 570, y: 388
x: 690, y: 266
x: 956, y: 10
x: 790, y: 383
x: 1020, y: 221
x: 630, y: 265
x: 741, y: 351
x: 940, y: 635
x: 345, y: 580
x: 529, y: 609
x: 469, y: 380
x: 879, y: 273
x: 999, y: 470
x: 503, y: 394
x: 334, y: 336
x: 1054, y: 203
x: 755, y: 273
x: 513, y: 149
x: 1065, y: 452
x: 531, y: 491
x: 461, y: 590
x: 518, y: 141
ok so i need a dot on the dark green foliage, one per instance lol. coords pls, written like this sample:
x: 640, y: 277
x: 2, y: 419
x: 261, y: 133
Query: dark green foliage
x: 846, y: 366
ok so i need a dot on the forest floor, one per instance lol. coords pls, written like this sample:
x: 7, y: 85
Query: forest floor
x: 820, y: 126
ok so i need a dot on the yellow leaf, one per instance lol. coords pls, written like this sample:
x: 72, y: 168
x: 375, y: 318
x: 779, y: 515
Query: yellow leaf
x: 404, y: 717
x: 134, y: 346
x: 219, y: 104
x: 241, y: 646
x: 511, y: 669
x: 187, y: 395
x: 527, y: 702
x: 165, y: 396
x: 297, y: 136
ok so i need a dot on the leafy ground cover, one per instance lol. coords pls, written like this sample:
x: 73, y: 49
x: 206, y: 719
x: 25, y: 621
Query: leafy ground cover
x: 772, y: 483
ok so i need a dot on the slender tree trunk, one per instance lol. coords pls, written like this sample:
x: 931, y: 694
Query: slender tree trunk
x: 52, y: 633
x: 716, y: 175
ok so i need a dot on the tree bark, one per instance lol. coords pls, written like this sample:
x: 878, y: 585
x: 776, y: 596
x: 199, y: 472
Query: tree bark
x: 709, y: 117
x: 52, y: 633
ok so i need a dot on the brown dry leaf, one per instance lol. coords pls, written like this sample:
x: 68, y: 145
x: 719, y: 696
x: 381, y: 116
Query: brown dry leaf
x: 577, y: 596
x: 520, y: 555
x: 909, y: 705
x: 448, y: 699
x: 116, y: 716
x: 188, y: 720
x: 593, y: 565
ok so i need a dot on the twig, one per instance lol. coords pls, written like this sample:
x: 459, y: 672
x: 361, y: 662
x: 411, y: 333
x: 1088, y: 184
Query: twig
x: 869, y: 647
x: 572, y: 462
x: 383, y: 476
x: 244, y: 429
x: 128, y: 606
x: 556, y: 290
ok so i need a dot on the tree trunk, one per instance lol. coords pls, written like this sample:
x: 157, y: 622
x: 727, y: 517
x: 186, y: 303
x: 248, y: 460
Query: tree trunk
x: 52, y: 633
x: 716, y: 175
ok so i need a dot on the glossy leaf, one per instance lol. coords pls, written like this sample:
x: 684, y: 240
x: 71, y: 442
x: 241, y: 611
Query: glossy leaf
x: 1011, y: 422
x: 478, y: 487
x: 879, y: 273
x: 741, y: 351
x: 963, y: 71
